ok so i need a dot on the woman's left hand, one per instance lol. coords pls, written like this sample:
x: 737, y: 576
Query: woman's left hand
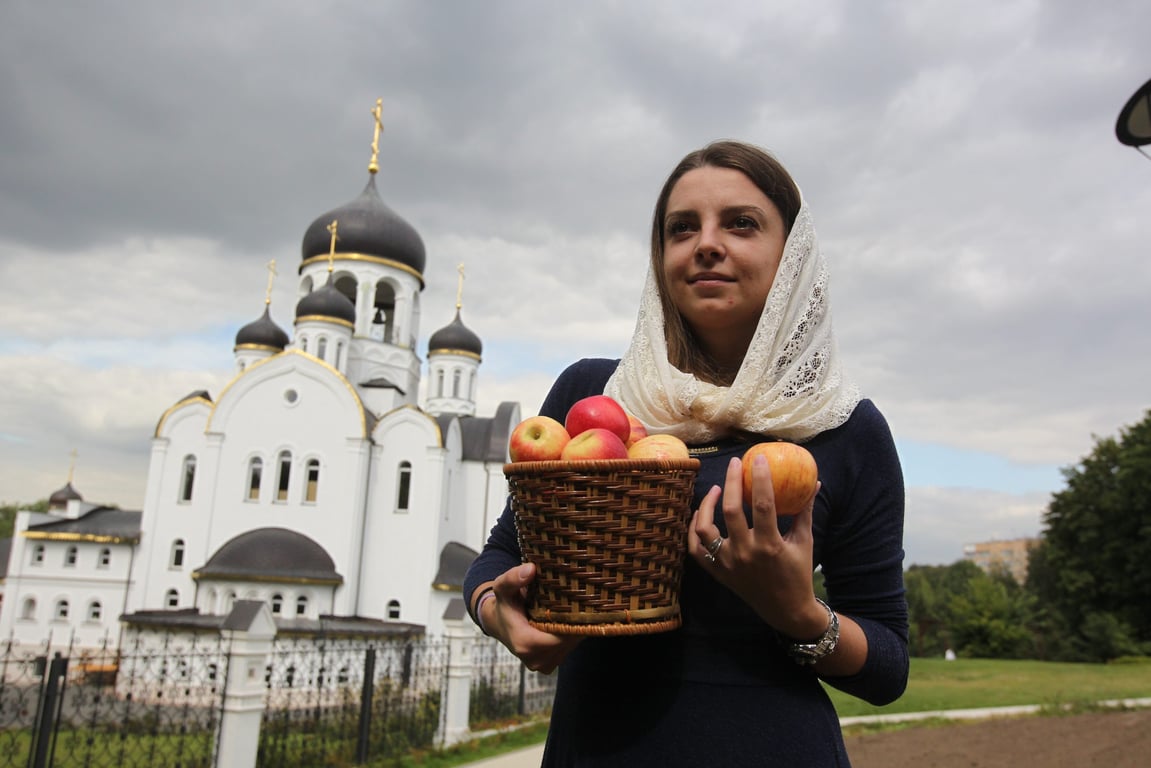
x: 770, y: 571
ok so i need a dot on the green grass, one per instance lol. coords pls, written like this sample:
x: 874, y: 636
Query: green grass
x: 966, y: 683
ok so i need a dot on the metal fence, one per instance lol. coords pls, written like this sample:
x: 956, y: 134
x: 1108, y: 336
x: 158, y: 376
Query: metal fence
x: 158, y: 700
x: 139, y: 705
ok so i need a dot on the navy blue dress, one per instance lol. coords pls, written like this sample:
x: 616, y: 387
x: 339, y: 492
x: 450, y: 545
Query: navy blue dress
x: 721, y: 691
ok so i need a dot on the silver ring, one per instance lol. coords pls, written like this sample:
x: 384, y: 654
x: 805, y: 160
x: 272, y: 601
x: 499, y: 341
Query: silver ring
x: 714, y: 546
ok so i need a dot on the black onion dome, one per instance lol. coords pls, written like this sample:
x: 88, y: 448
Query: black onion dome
x: 262, y: 333
x: 368, y: 226
x: 61, y: 497
x: 327, y: 302
x: 271, y: 554
x: 455, y: 337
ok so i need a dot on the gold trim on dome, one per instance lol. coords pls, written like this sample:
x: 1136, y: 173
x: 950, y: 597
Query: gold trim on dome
x: 257, y: 347
x: 324, y: 319
x: 364, y: 257
x: 225, y: 576
x: 450, y: 351
x: 73, y: 536
x: 441, y: 587
x: 260, y: 363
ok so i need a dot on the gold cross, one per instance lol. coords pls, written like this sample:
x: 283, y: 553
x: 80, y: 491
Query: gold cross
x: 72, y: 465
x: 271, y: 265
x: 335, y: 225
x: 460, y: 287
x: 377, y: 113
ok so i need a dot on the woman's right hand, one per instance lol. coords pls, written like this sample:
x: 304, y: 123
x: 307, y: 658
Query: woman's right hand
x: 505, y: 618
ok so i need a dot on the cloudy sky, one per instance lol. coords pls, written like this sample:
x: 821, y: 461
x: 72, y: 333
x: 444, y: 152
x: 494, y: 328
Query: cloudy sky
x: 988, y: 236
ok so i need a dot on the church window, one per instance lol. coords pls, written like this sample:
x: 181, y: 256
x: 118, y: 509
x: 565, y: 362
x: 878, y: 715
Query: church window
x: 393, y: 609
x: 456, y: 374
x: 322, y: 347
x: 312, y: 480
x: 61, y: 611
x: 405, y: 486
x: 177, y: 560
x: 95, y: 610
x: 440, y: 383
x: 38, y: 554
x: 285, y: 476
x: 255, y: 470
x: 172, y: 598
x: 277, y: 604
x: 28, y: 610
x: 105, y: 558
x: 70, y: 556
x: 230, y: 601
x: 302, y: 605
x: 187, y: 478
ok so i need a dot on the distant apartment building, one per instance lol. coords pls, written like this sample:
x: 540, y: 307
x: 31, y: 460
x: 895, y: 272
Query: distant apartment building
x: 1001, y: 554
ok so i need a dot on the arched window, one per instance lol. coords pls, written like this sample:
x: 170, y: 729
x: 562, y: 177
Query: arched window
x: 302, y: 605
x: 255, y: 471
x: 172, y: 598
x: 322, y: 347
x: 284, y: 475
x: 440, y: 383
x: 70, y: 556
x: 277, y: 604
x: 312, y: 480
x: 338, y: 361
x: 404, y: 492
x: 456, y: 374
x: 28, y: 609
x: 177, y: 560
x: 38, y: 554
x: 229, y: 601
x: 187, y: 478
x: 95, y: 610
x: 393, y: 609
x: 61, y: 611
x: 105, y: 558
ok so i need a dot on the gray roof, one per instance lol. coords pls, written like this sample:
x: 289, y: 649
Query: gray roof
x: 454, y: 561
x: 486, y: 439
x: 99, y: 524
x: 271, y: 554
x: 190, y: 619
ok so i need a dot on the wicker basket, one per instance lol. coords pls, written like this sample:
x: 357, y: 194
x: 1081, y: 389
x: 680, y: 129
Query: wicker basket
x: 608, y: 538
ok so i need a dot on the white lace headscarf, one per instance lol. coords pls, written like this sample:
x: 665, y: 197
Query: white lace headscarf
x: 790, y: 384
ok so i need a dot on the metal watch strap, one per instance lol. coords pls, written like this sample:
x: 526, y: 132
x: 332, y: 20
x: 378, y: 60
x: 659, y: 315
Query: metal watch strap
x: 809, y: 653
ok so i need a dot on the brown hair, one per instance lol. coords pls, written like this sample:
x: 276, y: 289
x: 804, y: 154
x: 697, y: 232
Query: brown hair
x: 767, y: 173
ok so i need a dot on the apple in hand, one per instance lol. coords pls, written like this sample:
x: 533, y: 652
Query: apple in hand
x: 658, y: 447
x: 793, y: 474
x: 538, y: 438
x: 594, y: 444
x: 598, y: 412
x: 638, y: 431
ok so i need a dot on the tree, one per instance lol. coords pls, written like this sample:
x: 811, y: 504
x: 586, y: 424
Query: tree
x: 1092, y: 573
x: 8, y: 515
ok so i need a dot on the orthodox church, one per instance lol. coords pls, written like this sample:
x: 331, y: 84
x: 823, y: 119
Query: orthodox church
x: 314, y: 480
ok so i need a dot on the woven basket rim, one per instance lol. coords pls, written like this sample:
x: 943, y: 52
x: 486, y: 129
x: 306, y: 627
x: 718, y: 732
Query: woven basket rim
x: 599, y: 465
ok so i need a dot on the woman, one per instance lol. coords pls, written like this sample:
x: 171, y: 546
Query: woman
x: 733, y: 345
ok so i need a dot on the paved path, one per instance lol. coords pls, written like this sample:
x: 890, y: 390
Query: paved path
x: 530, y: 757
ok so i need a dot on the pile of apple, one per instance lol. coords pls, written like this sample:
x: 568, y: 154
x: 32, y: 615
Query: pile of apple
x: 595, y: 428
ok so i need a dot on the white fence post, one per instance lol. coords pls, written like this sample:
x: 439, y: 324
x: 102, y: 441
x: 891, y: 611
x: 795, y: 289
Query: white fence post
x: 461, y: 635
x: 248, y: 630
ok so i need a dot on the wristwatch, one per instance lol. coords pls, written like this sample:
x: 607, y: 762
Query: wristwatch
x: 809, y: 653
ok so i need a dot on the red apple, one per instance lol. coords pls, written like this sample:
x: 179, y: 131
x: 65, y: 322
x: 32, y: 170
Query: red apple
x: 594, y: 444
x: 638, y: 431
x: 538, y: 438
x: 658, y: 447
x: 598, y: 412
x: 793, y: 474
